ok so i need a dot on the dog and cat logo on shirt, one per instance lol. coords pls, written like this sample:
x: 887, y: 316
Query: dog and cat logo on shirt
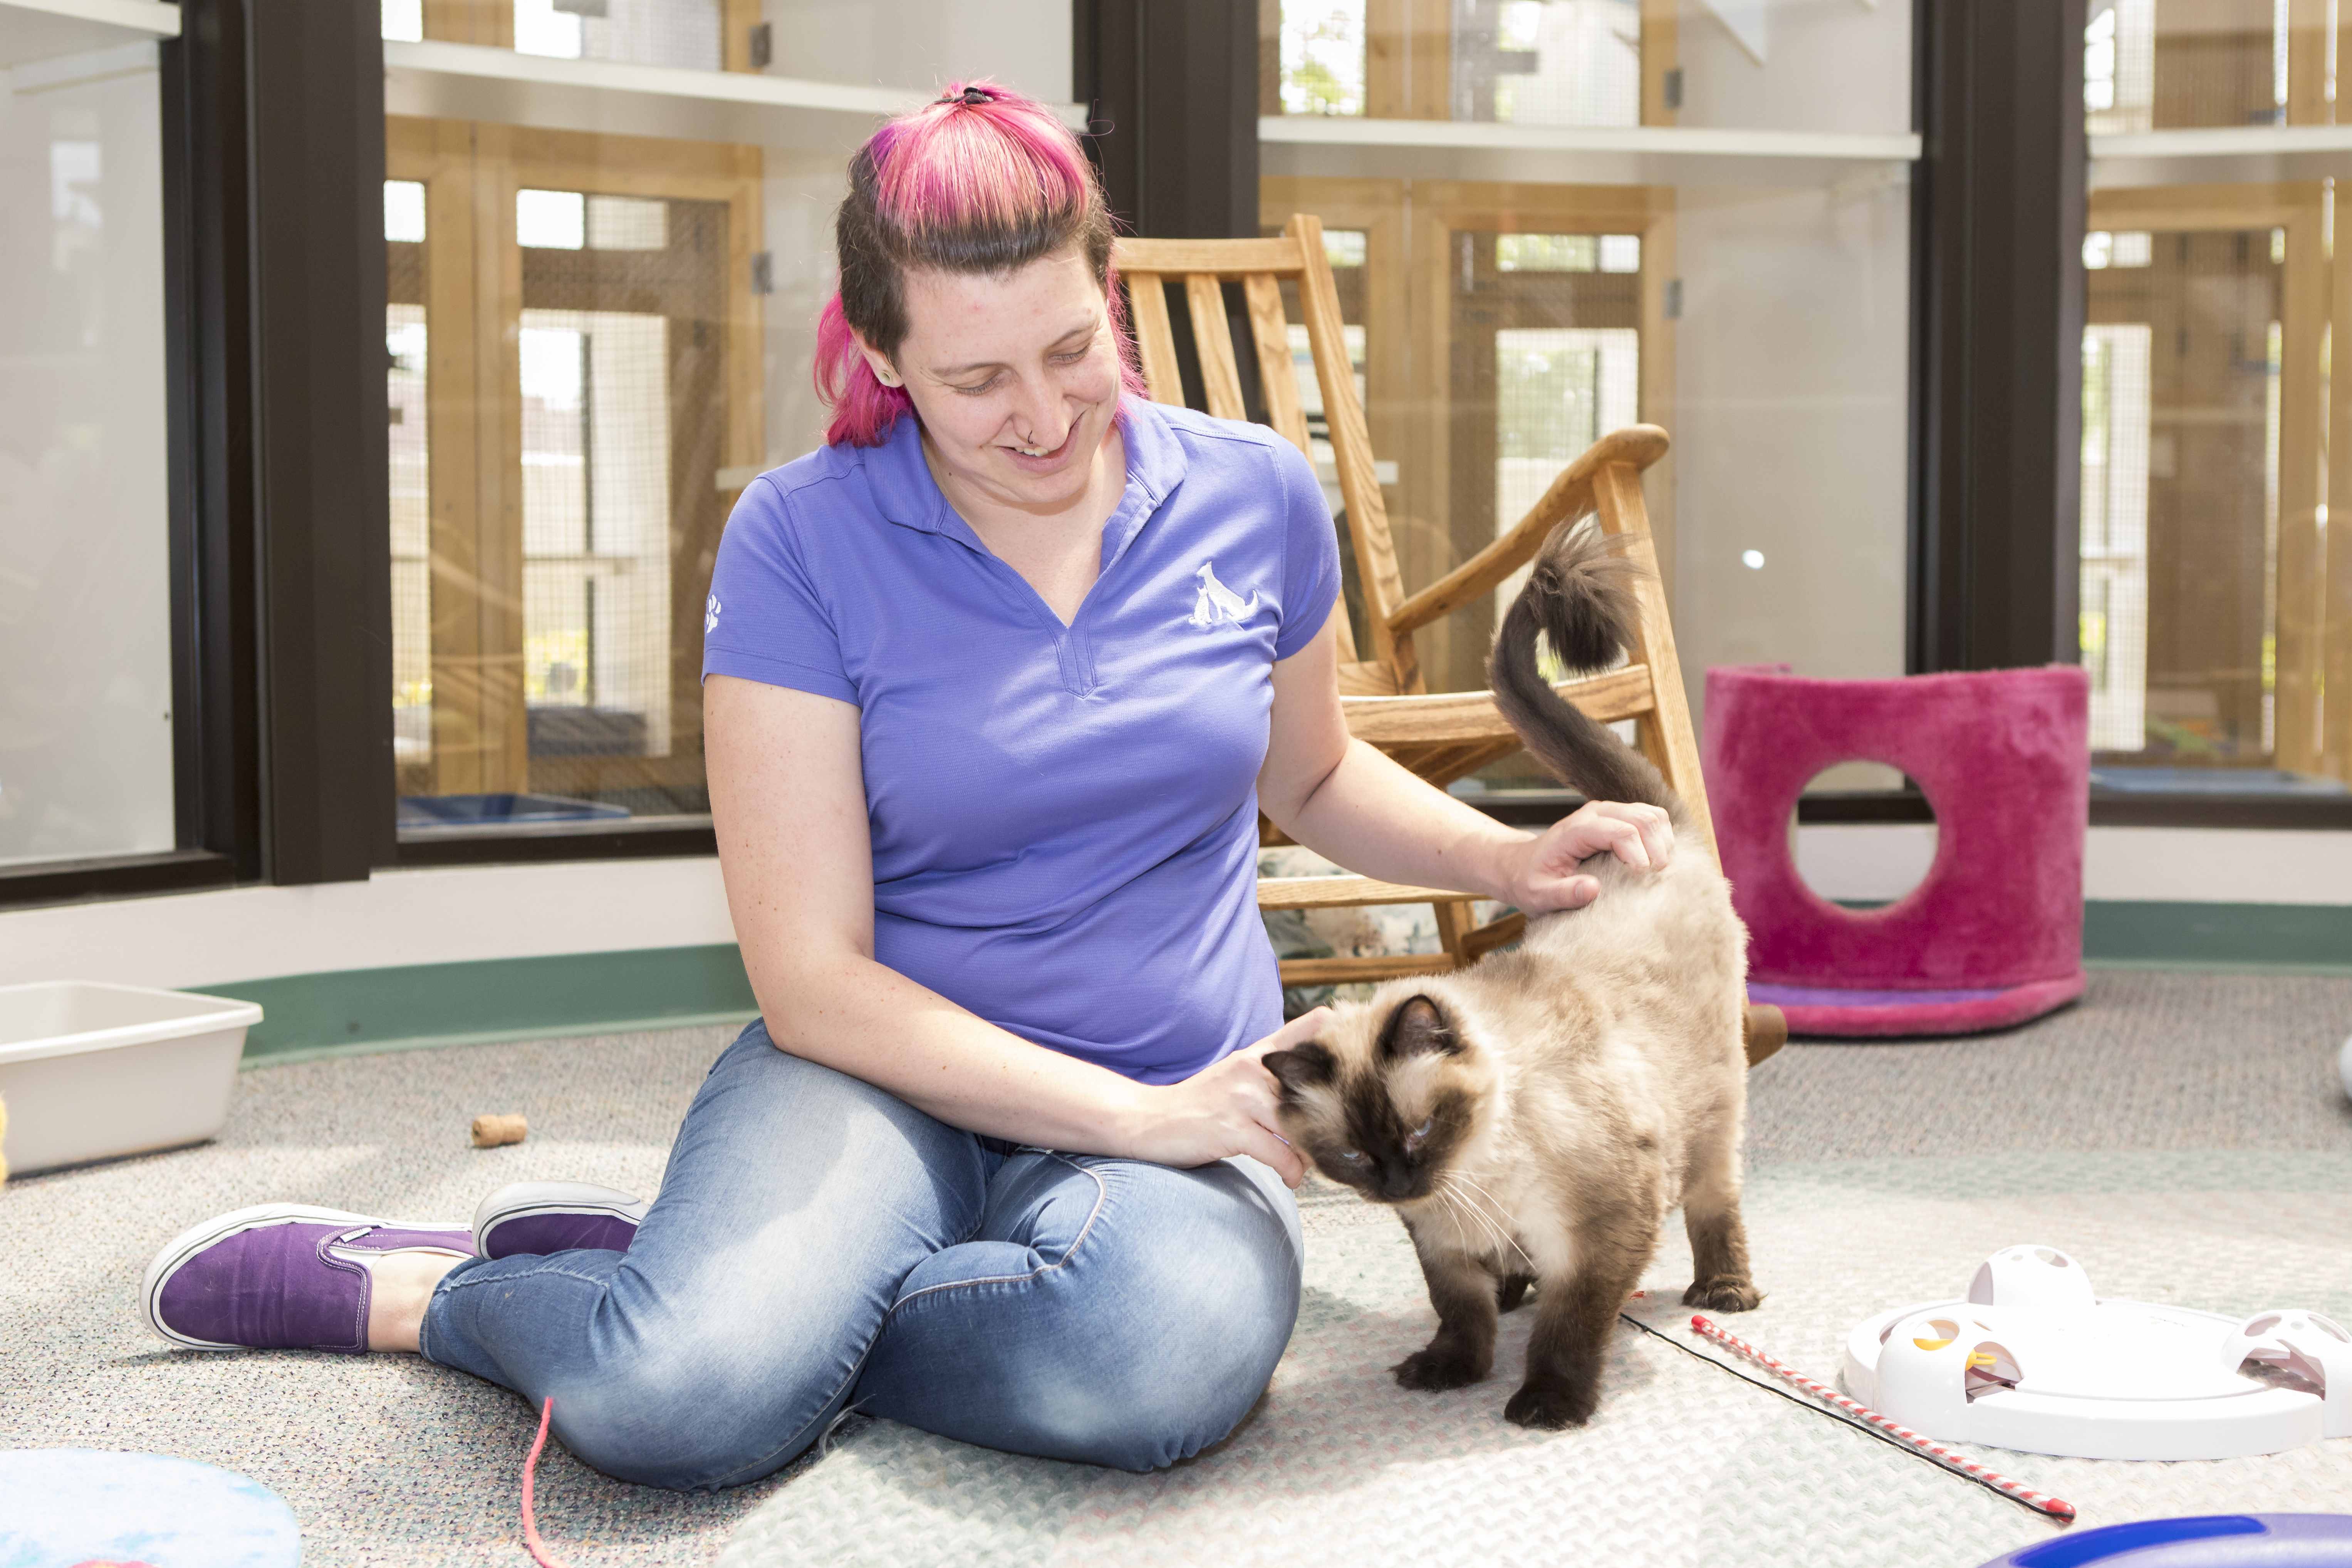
x: 1218, y: 603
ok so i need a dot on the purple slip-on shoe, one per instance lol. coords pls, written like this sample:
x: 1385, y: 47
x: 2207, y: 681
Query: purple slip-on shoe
x: 543, y: 1218
x: 279, y: 1277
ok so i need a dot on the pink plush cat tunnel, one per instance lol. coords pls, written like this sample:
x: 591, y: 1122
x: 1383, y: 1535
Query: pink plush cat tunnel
x: 1993, y: 935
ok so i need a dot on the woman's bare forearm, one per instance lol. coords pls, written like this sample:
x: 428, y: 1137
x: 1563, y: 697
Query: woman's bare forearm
x: 1375, y: 819
x: 849, y: 1012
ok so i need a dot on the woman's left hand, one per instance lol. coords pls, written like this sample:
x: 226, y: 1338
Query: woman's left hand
x: 1545, y: 877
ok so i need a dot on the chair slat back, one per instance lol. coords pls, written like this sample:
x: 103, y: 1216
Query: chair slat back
x: 1261, y: 266
x: 1605, y: 480
x: 1212, y: 339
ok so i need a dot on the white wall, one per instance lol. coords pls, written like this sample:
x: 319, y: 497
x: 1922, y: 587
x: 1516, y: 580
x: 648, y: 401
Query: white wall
x: 2131, y: 865
x: 85, y: 618
x: 447, y: 916
x: 1792, y: 358
x: 922, y: 44
x: 1828, y: 65
x: 456, y: 915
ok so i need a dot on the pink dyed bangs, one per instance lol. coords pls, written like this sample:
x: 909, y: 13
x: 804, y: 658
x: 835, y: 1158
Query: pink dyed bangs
x: 953, y: 168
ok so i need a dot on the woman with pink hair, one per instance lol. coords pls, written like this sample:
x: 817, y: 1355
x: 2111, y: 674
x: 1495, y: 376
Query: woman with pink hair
x: 996, y: 684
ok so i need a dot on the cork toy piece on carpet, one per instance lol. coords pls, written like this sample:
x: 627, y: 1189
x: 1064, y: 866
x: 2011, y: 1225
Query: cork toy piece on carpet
x: 1994, y: 936
x: 92, y: 1505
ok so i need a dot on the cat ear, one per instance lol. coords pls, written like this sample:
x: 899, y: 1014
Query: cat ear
x: 1301, y: 1067
x: 1415, y: 1029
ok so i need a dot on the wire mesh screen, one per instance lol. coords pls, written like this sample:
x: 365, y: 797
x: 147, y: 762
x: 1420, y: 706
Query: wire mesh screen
x: 597, y: 469
x: 404, y: 399
x: 682, y: 33
x: 2213, y: 63
x: 1557, y: 391
x: 2181, y: 452
x: 2119, y: 67
x: 622, y: 354
x: 1321, y: 46
x: 1548, y: 62
x: 1545, y: 345
x: 2115, y: 423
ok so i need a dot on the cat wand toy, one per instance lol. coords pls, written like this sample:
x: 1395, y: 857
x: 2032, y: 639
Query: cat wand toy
x: 2041, y: 1502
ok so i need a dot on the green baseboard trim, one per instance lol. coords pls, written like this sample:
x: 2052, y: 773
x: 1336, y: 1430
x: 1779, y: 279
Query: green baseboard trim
x: 2287, y: 939
x: 414, y: 1006
x: 417, y: 1007
x: 491, y: 1038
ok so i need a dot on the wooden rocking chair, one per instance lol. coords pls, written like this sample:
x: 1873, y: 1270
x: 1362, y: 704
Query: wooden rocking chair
x: 1444, y: 736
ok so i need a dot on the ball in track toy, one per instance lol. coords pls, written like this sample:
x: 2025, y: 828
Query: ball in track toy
x: 2032, y: 1359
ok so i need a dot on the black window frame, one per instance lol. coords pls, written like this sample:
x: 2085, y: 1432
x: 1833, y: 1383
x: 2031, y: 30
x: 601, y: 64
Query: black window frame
x: 272, y: 126
x: 272, y: 115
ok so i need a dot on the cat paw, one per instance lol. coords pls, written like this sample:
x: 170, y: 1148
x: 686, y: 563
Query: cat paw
x: 1436, y: 1369
x: 1548, y: 1406
x: 1724, y: 1294
x: 1510, y: 1291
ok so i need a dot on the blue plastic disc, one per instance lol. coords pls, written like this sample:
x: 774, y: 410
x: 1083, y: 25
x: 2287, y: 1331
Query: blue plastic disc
x: 2204, y: 1540
x: 65, y: 1506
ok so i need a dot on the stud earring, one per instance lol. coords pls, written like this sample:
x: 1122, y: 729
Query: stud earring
x: 886, y: 378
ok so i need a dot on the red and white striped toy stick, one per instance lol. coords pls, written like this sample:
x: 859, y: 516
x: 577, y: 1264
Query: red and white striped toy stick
x: 2056, y: 1507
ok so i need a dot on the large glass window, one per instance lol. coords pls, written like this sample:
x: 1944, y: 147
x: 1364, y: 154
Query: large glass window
x: 599, y: 325
x: 2208, y: 559
x: 575, y: 389
x: 1614, y: 224
x: 86, y: 766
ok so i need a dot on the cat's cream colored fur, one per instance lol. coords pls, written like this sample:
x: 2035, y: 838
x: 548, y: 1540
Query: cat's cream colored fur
x: 1540, y: 1115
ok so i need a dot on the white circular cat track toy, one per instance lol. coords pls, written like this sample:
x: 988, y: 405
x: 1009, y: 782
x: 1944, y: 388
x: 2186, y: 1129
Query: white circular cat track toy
x: 2031, y: 1360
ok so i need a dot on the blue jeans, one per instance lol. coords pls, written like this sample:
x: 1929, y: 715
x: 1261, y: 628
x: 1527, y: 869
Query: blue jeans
x: 819, y: 1244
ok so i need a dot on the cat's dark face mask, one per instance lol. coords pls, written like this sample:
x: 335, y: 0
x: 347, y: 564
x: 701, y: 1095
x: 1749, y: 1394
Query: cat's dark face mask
x: 1341, y: 1106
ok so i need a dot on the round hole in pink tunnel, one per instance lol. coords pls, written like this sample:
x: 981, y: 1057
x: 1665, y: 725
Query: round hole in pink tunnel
x: 1856, y: 854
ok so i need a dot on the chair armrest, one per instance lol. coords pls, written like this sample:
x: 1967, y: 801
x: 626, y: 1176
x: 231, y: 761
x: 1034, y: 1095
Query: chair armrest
x: 1446, y: 718
x: 1346, y: 893
x: 1569, y: 496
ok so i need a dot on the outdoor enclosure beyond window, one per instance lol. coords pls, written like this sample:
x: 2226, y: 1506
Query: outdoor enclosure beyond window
x: 575, y: 402
x: 2213, y: 588
x: 1517, y: 285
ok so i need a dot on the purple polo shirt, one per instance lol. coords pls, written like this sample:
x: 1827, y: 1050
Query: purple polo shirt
x: 1064, y: 818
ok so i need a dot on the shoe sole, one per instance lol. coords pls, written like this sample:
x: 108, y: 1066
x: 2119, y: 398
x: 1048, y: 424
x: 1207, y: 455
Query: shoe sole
x: 522, y: 1200
x: 188, y: 1243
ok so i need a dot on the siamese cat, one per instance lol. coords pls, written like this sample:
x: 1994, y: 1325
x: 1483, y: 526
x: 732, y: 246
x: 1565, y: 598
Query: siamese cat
x: 1534, y: 1118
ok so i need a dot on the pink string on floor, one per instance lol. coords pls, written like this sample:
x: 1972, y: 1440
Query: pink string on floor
x: 2041, y: 1502
x: 538, y: 1548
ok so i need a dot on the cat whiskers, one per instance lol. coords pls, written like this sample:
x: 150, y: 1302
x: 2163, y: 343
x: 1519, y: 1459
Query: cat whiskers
x: 1490, y: 1204
x: 1490, y: 1213
x: 1462, y: 1214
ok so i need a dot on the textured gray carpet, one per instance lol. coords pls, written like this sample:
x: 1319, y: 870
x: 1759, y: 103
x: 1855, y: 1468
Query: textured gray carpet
x: 2183, y: 1134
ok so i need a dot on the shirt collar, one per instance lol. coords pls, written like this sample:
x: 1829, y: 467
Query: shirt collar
x: 906, y: 493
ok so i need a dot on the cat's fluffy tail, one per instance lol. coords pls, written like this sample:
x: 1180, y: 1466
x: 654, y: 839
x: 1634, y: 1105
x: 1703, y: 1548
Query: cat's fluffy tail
x: 1579, y: 596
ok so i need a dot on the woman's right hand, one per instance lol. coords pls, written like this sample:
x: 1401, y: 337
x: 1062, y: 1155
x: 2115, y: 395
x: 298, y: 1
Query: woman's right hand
x: 1232, y: 1108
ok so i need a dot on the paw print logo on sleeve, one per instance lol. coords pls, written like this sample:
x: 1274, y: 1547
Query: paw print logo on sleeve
x: 711, y: 616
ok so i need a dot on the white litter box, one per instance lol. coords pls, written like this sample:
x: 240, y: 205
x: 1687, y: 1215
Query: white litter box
x: 92, y: 1071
